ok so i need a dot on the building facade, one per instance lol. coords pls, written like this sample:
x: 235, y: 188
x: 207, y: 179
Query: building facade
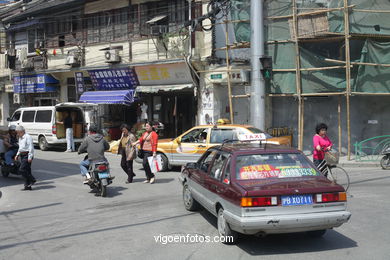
x: 91, y: 51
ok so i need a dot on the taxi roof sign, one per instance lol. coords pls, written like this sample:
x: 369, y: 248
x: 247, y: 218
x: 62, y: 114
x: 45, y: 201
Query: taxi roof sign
x: 252, y: 137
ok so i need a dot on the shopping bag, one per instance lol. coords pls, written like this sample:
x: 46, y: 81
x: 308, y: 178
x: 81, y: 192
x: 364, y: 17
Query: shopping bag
x: 155, y: 163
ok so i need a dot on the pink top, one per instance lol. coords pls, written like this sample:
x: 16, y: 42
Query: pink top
x: 324, y: 142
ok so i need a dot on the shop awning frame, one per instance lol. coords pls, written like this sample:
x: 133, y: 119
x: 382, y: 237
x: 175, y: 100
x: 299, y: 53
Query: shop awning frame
x: 123, y: 97
x: 163, y: 88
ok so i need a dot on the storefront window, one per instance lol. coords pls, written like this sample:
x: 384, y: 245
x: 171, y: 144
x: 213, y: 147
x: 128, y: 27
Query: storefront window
x: 157, y: 107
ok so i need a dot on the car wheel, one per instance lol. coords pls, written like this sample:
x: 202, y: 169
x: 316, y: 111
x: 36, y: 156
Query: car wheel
x: 165, y: 162
x: 228, y: 236
x: 316, y: 233
x: 43, y: 145
x: 5, y: 173
x: 189, y: 202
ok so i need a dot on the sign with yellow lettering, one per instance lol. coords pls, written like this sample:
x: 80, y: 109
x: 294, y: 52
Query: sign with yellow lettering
x: 163, y: 74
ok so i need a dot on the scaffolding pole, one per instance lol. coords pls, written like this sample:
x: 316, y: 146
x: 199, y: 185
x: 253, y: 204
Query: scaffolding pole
x: 348, y: 76
x: 228, y: 73
x: 298, y: 78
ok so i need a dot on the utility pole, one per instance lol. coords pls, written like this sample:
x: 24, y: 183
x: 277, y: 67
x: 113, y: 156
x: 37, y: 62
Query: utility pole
x: 257, y: 98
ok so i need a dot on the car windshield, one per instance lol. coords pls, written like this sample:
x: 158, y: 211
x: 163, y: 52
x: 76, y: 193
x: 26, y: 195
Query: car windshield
x: 258, y: 131
x: 275, y: 165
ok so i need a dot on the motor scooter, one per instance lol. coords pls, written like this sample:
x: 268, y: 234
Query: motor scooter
x: 6, y: 170
x: 385, y: 161
x: 99, y: 177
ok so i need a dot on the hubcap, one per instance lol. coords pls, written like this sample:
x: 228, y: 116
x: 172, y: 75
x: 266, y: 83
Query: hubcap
x: 187, y: 197
x: 221, y: 223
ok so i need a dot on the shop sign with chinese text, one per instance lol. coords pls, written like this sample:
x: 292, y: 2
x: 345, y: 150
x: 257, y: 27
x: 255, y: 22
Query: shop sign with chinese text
x: 113, y: 79
x: 163, y: 74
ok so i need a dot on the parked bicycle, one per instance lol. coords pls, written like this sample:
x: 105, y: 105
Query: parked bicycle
x: 333, y: 172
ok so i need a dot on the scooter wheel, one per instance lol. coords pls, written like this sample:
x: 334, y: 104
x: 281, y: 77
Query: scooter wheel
x: 385, y: 162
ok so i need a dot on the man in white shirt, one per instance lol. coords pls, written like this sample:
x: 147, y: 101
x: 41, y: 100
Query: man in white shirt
x: 26, y: 154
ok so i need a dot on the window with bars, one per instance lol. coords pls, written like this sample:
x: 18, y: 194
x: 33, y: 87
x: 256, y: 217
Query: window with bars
x: 175, y: 10
x: 107, y: 26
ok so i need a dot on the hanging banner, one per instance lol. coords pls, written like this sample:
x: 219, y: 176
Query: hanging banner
x: 113, y: 79
x: 79, y: 80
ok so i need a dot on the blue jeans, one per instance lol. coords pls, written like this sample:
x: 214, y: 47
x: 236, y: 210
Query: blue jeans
x: 69, y: 139
x: 84, y: 165
x: 9, y: 156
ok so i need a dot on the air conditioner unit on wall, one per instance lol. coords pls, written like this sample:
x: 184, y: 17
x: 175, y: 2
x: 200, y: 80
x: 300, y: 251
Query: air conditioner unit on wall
x: 112, y: 56
x: 72, y: 60
x: 27, y: 63
x: 157, y: 30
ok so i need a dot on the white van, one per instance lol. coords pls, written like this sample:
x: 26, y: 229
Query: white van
x: 41, y: 122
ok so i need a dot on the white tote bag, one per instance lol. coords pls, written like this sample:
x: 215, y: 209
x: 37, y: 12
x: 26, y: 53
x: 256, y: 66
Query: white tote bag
x: 155, y: 163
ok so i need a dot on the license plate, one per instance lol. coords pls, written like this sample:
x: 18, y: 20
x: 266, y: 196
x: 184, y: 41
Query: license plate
x: 294, y: 200
x: 103, y: 175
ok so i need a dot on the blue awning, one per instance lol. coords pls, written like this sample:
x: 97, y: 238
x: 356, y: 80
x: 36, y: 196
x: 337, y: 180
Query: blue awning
x: 124, y: 97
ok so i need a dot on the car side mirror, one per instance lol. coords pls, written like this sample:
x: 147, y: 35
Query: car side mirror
x: 8, y: 119
x: 192, y: 165
x: 178, y: 140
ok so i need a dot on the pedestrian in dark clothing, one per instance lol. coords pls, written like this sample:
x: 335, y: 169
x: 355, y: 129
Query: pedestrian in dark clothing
x: 95, y: 146
x: 26, y: 154
x: 127, y: 151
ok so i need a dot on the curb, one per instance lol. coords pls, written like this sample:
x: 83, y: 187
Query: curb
x: 360, y: 164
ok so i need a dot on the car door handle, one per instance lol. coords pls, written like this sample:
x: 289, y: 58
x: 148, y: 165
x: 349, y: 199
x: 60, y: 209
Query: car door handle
x: 218, y: 190
x: 201, y: 146
x: 215, y: 187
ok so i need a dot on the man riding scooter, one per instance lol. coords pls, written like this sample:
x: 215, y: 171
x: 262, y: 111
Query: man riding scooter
x: 11, y: 144
x: 94, y: 145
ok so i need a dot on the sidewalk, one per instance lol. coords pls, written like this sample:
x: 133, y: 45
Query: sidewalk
x: 343, y: 162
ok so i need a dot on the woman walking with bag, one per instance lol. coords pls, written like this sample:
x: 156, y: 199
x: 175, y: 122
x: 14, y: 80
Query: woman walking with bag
x: 127, y: 151
x: 148, y: 147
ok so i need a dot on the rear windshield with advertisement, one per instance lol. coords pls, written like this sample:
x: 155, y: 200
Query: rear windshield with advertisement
x: 278, y: 165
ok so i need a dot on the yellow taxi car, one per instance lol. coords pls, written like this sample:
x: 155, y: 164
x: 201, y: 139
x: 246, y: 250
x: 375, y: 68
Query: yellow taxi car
x: 190, y: 145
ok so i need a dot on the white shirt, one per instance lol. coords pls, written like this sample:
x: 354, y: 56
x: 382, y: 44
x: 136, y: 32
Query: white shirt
x: 26, y: 145
x: 144, y: 113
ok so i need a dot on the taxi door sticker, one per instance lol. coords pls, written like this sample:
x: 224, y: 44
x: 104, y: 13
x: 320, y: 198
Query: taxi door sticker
x: 261, y: 171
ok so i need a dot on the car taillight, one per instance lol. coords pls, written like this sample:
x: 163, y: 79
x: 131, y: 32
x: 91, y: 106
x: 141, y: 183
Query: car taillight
x: 259, y: 201
x: 102, y: 167
x: 54, y: 129
x: 331, y: 197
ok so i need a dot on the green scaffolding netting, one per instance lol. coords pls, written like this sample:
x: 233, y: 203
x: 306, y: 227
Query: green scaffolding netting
x: 367, y: 79
x: 373, y: 79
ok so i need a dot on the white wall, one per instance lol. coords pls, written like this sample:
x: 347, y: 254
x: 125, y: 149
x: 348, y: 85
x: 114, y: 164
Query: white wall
x: 4, y: 106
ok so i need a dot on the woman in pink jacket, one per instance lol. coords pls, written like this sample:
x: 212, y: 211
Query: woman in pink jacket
x: 321, y: 144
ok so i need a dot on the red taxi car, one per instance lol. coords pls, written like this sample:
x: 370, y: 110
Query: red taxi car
x: 263, y: 190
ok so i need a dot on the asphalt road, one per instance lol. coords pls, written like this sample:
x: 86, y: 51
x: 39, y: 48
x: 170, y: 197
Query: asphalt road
x: 60, y: 219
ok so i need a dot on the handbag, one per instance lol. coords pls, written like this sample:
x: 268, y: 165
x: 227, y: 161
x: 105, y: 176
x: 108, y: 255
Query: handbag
x: 141, y: 153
